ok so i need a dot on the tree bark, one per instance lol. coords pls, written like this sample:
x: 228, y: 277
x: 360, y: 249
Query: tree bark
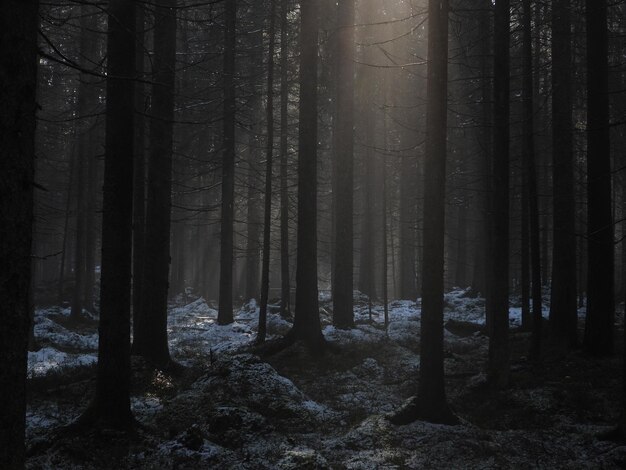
x: 306, y: 326
x: 563, y: 311
x: 498, y: 303
x: 18, y: 84
x: 285, y: 288
x: 139, y: 182
x: 111, y: 405
x: 152, y: 333
x: 225, y: 312
x: 343, y: 315
x: 269, y: 155
x: 430, y: 403
x: 600, y: 292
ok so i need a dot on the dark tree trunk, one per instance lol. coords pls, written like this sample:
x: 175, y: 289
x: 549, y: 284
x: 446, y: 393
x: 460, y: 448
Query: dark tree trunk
x: 285, y: 288
x: 367, y: 284
x: 111, y: 406
x: 343, y: 315
x: 152, y: 333
x: 481, y: 265
x: 269, y: 155
x: 306, y: 324
x: 408, y: 197
x: 139, y: 181
x: 85, y: 108
x: 18, y: 84
x: 498, y: 303
x: 430, y: 403
x: 528, y: 156
x: 563, y: 311
x: 225, y: 313
x: 600, y: 292
x: 431, y: 392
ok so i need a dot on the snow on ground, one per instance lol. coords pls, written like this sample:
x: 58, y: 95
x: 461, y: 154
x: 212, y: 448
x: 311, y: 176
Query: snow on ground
x: 193, y: 331
x: 291, y: 411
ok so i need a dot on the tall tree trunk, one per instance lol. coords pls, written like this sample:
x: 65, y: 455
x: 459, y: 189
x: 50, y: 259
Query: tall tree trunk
x: 498, y: 303
x: 563, y: 311
x: 285, y: 288
x: 153, y: 330
x: 528, y: 156
x: 430, y: 403
x: 306, y: 324
x: 343, y: 315
x: 225, y: 313
x: 139, y: 182
x: 408, y: 198
x: 269, y: 154
x: 111, y: 405
x: 18, y: 54
x: 367, y: 281
x: 600, y: 293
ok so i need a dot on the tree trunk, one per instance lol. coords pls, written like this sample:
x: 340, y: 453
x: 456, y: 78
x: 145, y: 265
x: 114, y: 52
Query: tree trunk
x: 498, y: 366
x: 532, y: 204
x: 225, y: 313
x: 139, y: 182
x: 285, y: 288
x: 563, y: 311
x: 111, y: 406
x: 152, y: 333
x: 343, y: 315
x: 430, y: 404
x: 18, y: 54
x: 306, y: 324
x: 269, y: 154
x: 600, y: 292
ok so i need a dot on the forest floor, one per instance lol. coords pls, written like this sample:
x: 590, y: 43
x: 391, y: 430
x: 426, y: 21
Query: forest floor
x: 231, y: 408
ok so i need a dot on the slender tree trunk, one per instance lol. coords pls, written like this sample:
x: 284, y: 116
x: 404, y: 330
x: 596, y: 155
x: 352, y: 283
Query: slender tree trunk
x: 153, y: 330
x: 66, y: 225
x: 111, y: 406
x: 225, y: 313
x: 285, y: 288
x: 563, y: 316
x: 343, y: 315
x: 498, y: 366
x: 269, y: 155
x: 600, y: 293
x: 528, y: 156
x: 384, y: 243
x: 407, y: 282
x: 139, y: 184
x: 367, y: 284
x: 18, y: 53
x: 430, y: 404
x: 306, y: 324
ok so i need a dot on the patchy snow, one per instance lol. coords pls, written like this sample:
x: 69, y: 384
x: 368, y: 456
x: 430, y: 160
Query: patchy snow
x: 293, y: 410
x: 46, y: 360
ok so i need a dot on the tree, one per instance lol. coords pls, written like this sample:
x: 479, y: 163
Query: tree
x: 269, y: 155
x: 139, y: 180
x: 86, y: 165
x: 151, y: 339
x: 530, y: 177
x: 18, y: 84
x: 225, y: 313
x: 430, y: 403
x: 600, y: 263
x: 343, y: 315
x: 306, y: 325
x: 111, y: 404
x: 563, y: 309
x: 285, y: 288
x: 498, y: 299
